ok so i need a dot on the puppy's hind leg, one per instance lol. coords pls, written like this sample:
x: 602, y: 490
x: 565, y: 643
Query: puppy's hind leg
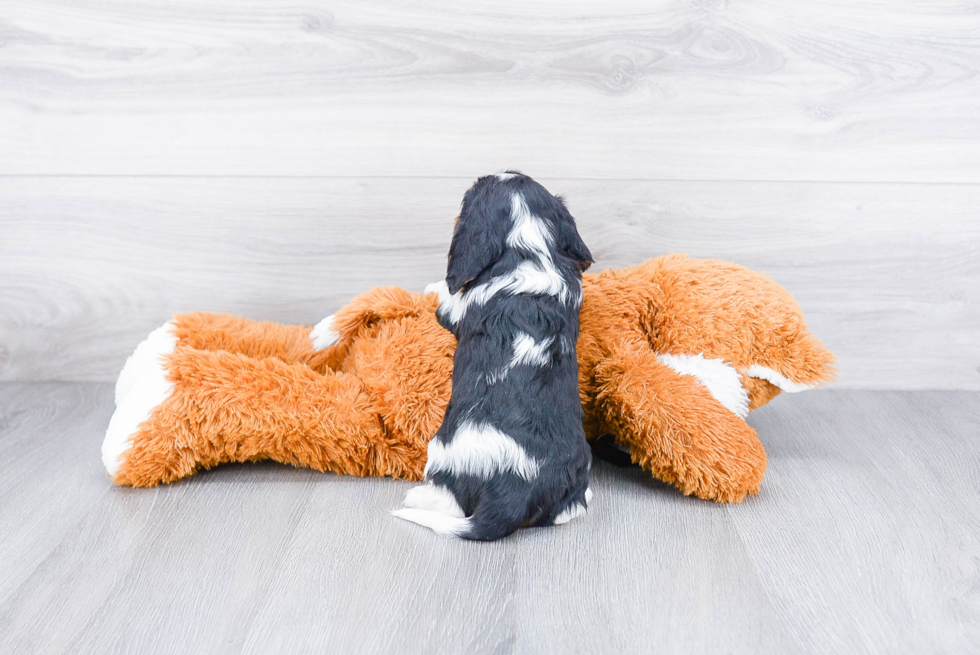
x: 434, y: 506
x: 574, y: 506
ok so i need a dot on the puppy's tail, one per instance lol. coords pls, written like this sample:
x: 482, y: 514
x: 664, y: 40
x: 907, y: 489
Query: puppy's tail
x: 435, y: 507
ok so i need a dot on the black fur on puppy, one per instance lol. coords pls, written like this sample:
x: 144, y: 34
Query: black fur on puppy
x: 511, y: 451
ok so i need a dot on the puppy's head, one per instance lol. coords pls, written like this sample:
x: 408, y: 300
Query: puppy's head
x: 487, y: 218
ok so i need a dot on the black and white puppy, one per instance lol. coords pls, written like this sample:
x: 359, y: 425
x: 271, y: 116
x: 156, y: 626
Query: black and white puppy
x: 511, y: 450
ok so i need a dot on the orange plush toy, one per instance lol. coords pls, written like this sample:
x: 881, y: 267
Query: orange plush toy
x: 673, y: 353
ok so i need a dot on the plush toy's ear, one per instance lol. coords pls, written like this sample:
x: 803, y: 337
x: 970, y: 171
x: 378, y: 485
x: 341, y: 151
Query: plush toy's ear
x: 478, y: 240
x: 568, y: 240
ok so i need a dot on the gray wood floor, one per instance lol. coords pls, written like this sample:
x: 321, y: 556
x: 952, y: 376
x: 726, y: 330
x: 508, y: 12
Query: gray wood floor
x: 865, y: 539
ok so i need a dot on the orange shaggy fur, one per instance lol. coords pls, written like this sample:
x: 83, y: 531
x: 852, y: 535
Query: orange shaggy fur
x: 248, y: 391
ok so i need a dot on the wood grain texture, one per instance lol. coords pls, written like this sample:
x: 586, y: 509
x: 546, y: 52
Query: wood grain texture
x: 652, y: 89
x: 88, y: 266
x: 865, y: 538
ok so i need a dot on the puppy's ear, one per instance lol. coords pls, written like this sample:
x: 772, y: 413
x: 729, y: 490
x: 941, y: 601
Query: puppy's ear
x: 568, y: 240
x: 480, y: 234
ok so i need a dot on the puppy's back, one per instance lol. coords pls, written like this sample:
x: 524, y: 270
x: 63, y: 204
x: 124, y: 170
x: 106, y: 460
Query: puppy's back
x: 511, y: 451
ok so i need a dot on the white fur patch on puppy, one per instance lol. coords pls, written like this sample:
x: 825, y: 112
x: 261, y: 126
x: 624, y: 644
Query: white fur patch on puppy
x: 527, y: 277
x: 323, y: 335
x: 542, y: 278
x: 453, y: 306
x: 529, y: 231
x: 480, y: 450
x: 528, y: 351
x: 721, y: 379
x: 777, y: 378
x: 150, y: 389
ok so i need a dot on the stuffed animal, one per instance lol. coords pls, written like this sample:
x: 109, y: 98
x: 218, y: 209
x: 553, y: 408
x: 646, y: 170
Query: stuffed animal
x: 673, y: 354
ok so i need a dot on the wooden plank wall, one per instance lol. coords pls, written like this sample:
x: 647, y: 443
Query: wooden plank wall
x: 273, y: 159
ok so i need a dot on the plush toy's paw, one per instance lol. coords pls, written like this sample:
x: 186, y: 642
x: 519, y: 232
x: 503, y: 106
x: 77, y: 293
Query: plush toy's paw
x: 143, y: 359
x: 681, y: 419
x: 323, y: 335
x: 142, y: 386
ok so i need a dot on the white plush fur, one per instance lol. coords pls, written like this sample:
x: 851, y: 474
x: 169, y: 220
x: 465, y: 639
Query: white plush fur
x: 480, y: 450
x: 721, y: 379
x: 161, y: 340
x: 323, y: 335
x: 776, y: 378
x: 145, y: 387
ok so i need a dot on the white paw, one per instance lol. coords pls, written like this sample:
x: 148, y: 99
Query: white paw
x: 434, y: 507
x: 434, y: 498
x: 576, y: 510
x: 160, y: 341
x: 141, y: 397
x: 571, y: 512
x: 323, y: 335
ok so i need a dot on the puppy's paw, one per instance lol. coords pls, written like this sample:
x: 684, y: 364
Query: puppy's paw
x: 571, y: 512
x: 434, y: 507
x: 574, y: 510
x: 434, y: 498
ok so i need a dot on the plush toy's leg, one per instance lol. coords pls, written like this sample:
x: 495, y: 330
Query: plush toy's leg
x: 204, y: 408
x: 145, y: 359
x: 206, y: 331
x: 676, y: 429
